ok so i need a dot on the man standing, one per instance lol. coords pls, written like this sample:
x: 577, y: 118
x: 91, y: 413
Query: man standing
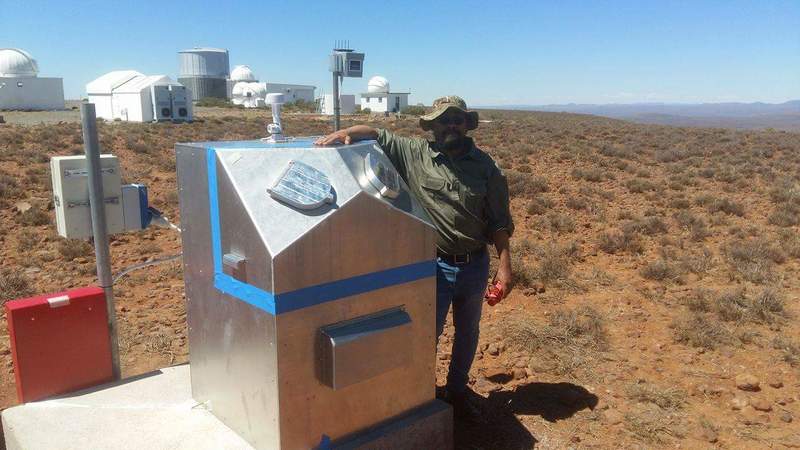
x: 466, y: 196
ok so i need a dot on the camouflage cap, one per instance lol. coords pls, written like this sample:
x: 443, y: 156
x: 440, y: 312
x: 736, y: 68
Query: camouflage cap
x: 443, y: 104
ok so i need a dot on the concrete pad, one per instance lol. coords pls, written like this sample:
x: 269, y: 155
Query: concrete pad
x: 156, y: 411
x: 153, y: 411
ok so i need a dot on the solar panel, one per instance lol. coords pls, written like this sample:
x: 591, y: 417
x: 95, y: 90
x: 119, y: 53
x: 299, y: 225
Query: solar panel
x: 302, y: 186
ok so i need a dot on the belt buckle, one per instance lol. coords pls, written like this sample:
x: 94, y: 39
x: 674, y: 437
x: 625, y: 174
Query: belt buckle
x: 461, y: 259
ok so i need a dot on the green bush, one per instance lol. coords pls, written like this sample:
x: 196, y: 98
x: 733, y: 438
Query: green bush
x: 413, y: 110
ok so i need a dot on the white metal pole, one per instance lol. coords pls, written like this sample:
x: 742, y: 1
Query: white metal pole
x: 99, y: 230
x: 336, y: 106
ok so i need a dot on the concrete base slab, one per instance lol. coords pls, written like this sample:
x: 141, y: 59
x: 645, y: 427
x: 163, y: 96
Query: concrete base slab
x: 152, y: 411
x: 156, y: 411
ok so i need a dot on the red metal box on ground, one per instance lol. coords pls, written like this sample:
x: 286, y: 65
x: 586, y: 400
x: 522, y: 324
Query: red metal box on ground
x: 59, y: 342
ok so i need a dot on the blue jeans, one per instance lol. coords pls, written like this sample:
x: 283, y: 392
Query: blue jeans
x: 463, y: 286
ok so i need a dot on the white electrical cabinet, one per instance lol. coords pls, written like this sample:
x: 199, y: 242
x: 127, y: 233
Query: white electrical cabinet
x: 71, y: 195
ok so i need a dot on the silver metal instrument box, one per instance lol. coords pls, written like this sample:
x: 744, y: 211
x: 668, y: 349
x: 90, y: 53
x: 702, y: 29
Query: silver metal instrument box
x: 310, y: 285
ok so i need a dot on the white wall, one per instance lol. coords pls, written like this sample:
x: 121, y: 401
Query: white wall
x: 31, y: 93
x: 375, y: 104
x: 292, y: 92
x: 102, y: 105
x: 389, y: 103
x: 347, y: 104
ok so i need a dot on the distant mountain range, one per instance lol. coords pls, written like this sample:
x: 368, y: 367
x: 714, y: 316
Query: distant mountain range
x: 785, y: 116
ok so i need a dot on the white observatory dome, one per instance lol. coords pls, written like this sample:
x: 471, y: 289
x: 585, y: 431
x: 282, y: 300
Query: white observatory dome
x: 242, y: 73
x: 378, y: 85
x: 249, y: 94
x: 17, y: 63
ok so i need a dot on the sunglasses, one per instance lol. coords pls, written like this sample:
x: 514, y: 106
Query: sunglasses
x: 448, y: 120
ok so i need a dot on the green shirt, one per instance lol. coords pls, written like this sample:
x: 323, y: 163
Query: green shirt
x: 466, y: 196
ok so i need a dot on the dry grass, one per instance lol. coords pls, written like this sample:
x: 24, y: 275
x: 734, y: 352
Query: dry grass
x: 664, y: 397
x: 70, y: 249
x: 569, y: 340
x: 13, y: 285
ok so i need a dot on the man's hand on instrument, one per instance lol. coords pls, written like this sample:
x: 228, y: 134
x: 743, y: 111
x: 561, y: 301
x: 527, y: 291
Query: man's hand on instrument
x: 339, y: 137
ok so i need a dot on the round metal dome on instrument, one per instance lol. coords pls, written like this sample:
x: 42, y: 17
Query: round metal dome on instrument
x: 243, y: 73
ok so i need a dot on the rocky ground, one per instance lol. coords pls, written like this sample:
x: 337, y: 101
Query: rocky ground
x: 657, y: 289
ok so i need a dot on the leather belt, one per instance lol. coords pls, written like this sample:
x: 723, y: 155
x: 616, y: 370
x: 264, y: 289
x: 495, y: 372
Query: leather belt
x: 461, y: 259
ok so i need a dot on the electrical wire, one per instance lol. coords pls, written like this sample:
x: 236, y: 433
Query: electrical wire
x: 130, y: 269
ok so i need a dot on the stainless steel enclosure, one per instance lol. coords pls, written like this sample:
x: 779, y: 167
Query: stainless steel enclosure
x: 305, y: 324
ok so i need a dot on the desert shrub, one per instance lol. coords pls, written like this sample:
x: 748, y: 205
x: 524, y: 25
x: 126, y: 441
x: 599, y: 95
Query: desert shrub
x: 13, y: 284
x: 700, y: 330
x: 679, y: 203
x: 661, y: 270
x: 754, y: 259
x: 727, y: 206
x: 649, y: 226
x: 639, y: 185
x: 553, y: 263
x: 699, y: 264
x: 8, y: 186
x: 791, y: 242
x: 214, y: 102
x: 785, y: 215
x: 699, y: 300
x: 664, y: 397
x: 413, y: 110
x: 790, y: 350
x: 523, y: 184
x: 592, y: 174
x: 670, y: 155
x: 577, y: 203
x: 539, y: 205
x: 615, y: 242
x: 74, y: 248
x: 561, y: 223
x: 567, y: 342
x: 34, y: 217
x: 26, y: 240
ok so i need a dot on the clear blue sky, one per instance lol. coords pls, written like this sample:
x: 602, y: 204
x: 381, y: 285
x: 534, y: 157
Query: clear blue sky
x: 489, y: 52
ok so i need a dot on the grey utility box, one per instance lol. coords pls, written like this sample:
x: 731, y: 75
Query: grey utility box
x: 310, y: 282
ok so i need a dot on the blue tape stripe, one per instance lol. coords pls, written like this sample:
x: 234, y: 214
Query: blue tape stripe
x: 213, y: 209
x: 360, y: 284
x: 304, y: 297
x: 246, y: 292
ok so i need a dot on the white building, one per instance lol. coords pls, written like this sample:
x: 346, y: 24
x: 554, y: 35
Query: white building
x: 249, y: 94
x: 292, y: 92
x: 131, y: 96
x: 347, y: 104
x: 20, y: 84
x: 379, y: 99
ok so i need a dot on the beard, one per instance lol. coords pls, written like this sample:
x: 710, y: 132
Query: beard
x: 451, y: 140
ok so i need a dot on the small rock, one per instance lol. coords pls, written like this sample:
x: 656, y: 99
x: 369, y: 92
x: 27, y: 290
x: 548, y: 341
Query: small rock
x: 738, y: 403
x: 519, y: 374
x: 761, y: 404
x: 444, y: 356
x: 786, y: 416
x: 493, y: 349
x: 707, y: 434
x: 747, y: 382
x: 750, y: 416
x: 776, y: 383
x: 484, y: 385
x: 613, y: 417
x: 484, y: 346
x: 521, y: 364
x: 496, y: 373
x: 21, y: 207
x: 539, y: 287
